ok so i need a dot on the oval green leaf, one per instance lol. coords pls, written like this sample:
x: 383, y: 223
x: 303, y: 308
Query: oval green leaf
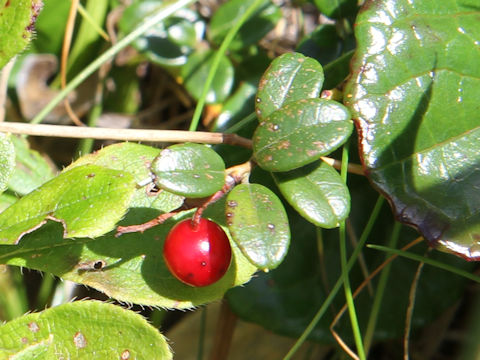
x: 88, y: 200
x: 414, y: 90
x: 190, y: 170
x: 258, y: 223
x: 290, y: 77
x: 82, y: 330
x: 17, y: 25
x: 317, y: 192
x: 254, y: 29
x: 195, y: 72
x: 300, y: 133
x: 7, y: 160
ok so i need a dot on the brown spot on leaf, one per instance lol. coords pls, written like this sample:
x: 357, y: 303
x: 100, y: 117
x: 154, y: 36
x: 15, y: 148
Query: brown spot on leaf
x: 125, y: 355
x: 33, y: 327
x: 283, y: 145
x: 232, y: 203
x: 79, y: 340
x: 24, y: 340
x: 89, y: 176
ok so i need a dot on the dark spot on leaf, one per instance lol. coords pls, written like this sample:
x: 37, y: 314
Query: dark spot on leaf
x: 258, y: 100
x: 271, y: 226
x: 203, y: 263
x: 33, y: 327
x: 24, y: 340
x: 89, y: 176
x: 7, y: 4
x: 79, y: 340
x: 232, y: 203
x: 476, y: 237
x: 125, y: 355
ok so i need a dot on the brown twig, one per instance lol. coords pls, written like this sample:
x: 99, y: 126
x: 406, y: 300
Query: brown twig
x: 145, y: 226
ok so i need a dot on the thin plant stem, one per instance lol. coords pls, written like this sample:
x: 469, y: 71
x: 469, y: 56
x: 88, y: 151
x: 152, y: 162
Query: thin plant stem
x: 245, y: 121
x: 216, y: 62
x: 157, y: 17
x: 382, y: 284
x: 427, y: 261
x: 86, y: 15
x: 46, y: 290
x: 4, y: 75
x: 411, y: 306
x: 345, y: 271
x: 336, y: 288
x: 201, y: 337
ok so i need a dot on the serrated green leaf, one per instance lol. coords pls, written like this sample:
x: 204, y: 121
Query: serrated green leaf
x: 31, y: 169
x: 258, y: 224
x: 88, y: 200
x: 190, y: 170
x: 194, y: 74
x: 82, y: 330
x: 254, y: 29
x: 129, y: 268
x: 300, y: 133
x: 414, y: 90
x: 289, y: 78
x: 136, y: 159
x: 17, y: 21
x: 317, y: 192
x: 7, y: 160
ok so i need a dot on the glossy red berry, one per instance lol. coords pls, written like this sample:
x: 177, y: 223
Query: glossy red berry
x: 198, y: 255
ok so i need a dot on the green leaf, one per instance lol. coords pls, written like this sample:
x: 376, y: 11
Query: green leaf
x: 289, y: 78
x: 129, y: 268
x: 168, y: 43
x: 254, y: 29
x: 337, y: 8
x: 50, y: 27
x: 190, y: 170
x: 17, y: 21
x: 258, y: 224
x: 300, y: 133
x: 88, y: 200
x: 7, y: 160
x: 135, y: 159
x: 195, y: 72
x: 82, y: 330
x: 317, y: 192
x: 31, y: 169
x: 414, y: 91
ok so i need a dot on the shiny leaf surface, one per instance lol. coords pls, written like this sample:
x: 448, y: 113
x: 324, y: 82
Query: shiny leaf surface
x: 190, y: 170
x: 317, y: 192
x: 300, y: 133
x: 258, y: 224
x: 82, y: 330
x: 290, y: 77
x: 414, y: 91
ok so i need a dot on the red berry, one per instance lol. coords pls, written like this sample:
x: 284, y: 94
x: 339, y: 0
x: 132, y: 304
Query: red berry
x: 197, y: 255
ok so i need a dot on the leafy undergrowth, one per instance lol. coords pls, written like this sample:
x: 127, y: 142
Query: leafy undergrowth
x: 271, y: 95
